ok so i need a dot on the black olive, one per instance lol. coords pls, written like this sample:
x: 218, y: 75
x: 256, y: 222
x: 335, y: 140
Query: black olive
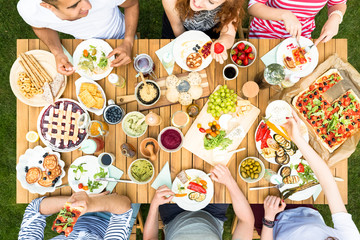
x: 341, y: 123
x: 318, y: 130
x: 353, y: 123
x: 358, y: 119
x: 313, y: 122
x: 44, y: 178
x: 304, y: 112
x: 333, y: 139
x: 300, y: 105
x: 320, y: 98
x: 347, y: 129
x: 347, y: 117
x: 62, y: 233
x: 339, y: 102
x: 325, y: 103
x: 325, y: 83
x: 323, y: 136
x: 320, y: 88
x: 45, y: 154
x: 49, y: 173
x: 356, y: 110
x: 40, y: 162
x: 329, y: 142
x: 305, y: 100
x: 345, y: 96
x: 73, y: 214
x: 58, y: 221
x: 26, y: 169
x: 310, y: 96
x: 315, y: 93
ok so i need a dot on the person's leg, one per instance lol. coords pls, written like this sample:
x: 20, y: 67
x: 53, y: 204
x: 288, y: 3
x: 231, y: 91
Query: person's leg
x: 217, y: 210
x: 167, y: 32
x: 169, y: 211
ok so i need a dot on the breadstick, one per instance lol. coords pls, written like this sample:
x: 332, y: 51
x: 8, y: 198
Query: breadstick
x: 42, y: 70
x: 26, y: 59
x: 30, y: 73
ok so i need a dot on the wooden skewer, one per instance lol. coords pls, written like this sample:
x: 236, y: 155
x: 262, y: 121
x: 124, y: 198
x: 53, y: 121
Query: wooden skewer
x: 30, y: 74
x: 42, y: 70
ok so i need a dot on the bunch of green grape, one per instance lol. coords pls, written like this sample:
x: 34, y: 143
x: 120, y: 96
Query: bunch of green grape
x: 222, y: 101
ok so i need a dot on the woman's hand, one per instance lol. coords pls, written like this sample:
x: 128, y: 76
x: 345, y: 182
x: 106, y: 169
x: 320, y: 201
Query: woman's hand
x: 273, y: 205
x: 292, y: 126
x: 221, y: 174
x: 329, y: 30
x: 292, y: 24
x: 216, y: 53
x: 162, y: 195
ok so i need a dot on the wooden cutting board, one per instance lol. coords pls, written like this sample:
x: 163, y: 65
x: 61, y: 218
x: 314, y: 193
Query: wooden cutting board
x: 163, y: 100
x: 194, y: 139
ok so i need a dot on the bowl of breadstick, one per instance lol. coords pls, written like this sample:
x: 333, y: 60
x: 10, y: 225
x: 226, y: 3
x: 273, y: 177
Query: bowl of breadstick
x: 34, y: 79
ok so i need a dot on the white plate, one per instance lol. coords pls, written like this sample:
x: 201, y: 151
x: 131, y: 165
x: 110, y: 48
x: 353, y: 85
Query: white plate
x: 31, y: 159
x: 78, y: 85
x: 45, y: 141
x: 100, y: 45
x: 191, y: 205
x: 285, y: 50
x: 47, y: 61
x: 183, y: 46
x: 92, y: 166
x: 294, y: 157
x: 302, y: 195
x: 277, y: 111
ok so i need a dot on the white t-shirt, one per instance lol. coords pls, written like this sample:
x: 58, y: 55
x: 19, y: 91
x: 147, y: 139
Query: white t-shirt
x: 104, y: 19
x: 307, y: 224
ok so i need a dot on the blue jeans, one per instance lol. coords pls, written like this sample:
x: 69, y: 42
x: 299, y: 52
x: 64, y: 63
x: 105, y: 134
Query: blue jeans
x: 169, y: 211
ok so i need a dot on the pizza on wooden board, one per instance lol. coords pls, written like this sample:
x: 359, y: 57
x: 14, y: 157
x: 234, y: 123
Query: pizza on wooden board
x: 66, y: 219
x: 334, y: 122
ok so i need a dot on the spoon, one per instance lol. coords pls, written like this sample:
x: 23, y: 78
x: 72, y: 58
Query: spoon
x: 145, y: 83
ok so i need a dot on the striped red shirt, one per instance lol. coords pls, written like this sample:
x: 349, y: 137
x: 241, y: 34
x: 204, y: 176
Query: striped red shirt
x: 304, y: 10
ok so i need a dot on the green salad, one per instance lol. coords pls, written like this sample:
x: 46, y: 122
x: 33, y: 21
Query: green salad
x: 93, y: 61
x: 219, y: 141
x: 141, y: 170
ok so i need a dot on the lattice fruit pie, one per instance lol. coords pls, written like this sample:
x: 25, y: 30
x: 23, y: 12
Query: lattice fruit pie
x: 57, y: 125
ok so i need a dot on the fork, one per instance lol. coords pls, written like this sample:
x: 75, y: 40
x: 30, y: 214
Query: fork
x: 278, y: 186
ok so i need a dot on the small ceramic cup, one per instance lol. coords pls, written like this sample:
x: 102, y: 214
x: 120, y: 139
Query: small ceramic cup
x: 106, y: 159
x: 230, y: 65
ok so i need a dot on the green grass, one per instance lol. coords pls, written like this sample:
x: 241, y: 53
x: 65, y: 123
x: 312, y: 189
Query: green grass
x: 12, y: 27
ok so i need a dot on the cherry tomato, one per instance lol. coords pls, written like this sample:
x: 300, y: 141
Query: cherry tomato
x: 217, y: 126
x: 214, y: 123
x: 202, y: 130
x: 217, y: 132
x: 85, y: 188
x: 198, y: 125
x: 85, y: 53
x: 213, y: 134
x: 208, y: 130
x: 210, y: 124
x: 300, y: 168
x: 80, y: 186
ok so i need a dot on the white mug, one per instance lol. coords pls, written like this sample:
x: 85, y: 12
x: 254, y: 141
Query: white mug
x: 112, y: 157
x: 236, y: 70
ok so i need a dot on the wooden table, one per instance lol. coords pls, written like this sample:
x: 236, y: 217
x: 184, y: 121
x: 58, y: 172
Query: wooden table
x: 27, y: 118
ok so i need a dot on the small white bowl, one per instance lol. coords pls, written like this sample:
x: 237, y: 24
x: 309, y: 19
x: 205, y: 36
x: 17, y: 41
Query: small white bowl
x: 261, y: 174
x: 136, y: 93
x: 136, y: 181
x: 124, y: 122
x: 170, y: 150
x: 253, y: 51
x: 236, y: 69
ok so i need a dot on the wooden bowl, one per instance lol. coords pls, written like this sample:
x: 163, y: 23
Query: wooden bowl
x: 145, y: 152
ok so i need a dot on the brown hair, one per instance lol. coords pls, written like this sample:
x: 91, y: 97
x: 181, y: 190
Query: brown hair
x: 51, y: 2
x: 231, y: 11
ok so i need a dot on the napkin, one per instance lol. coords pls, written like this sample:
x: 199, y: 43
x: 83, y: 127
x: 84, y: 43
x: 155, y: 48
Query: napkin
x: 164, y: 50
x: 163, y: 178
x: 317, y: 192
x: 68, y: 54
x: 270, y: 57
x: 116, y: 173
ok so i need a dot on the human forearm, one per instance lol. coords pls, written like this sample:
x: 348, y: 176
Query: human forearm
x: 266, y: 233
x: 52, y: 205
x: 262, y: 11
x: 50, y: 38
x: 323, y: 174
x: 131, y: 20
x: 340, y: 7
x: 152, y: 225
x: 112, y: 203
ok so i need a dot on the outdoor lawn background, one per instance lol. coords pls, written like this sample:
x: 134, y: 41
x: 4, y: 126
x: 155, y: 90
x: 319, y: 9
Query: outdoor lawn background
x: 12, y: 27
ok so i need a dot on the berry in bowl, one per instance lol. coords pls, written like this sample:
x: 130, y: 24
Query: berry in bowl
x: 243, y: 54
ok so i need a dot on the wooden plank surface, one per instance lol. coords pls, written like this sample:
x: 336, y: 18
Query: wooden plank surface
x: 183, y: 159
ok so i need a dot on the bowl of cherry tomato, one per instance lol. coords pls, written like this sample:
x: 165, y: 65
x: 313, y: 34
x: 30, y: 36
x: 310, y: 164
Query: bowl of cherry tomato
x: 243, y: 54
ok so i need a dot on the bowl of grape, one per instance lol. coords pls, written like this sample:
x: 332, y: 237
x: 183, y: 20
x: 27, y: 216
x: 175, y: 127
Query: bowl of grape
x: 222, y: 101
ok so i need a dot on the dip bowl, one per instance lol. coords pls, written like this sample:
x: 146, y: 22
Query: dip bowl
x: 140, y: 85
x: 133, y: 177
x: 125, y: 124
x: 171, y: 139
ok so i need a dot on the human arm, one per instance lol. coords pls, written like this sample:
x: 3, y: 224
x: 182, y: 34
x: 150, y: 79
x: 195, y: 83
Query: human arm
x: 173, y: 16
x: 320, y: 168
x: 123, y: 52
x: 227, y: 37
x: 272, y: 206
x: 331, y: 26
x: 245, y: 226
x: 152, y: 225
x: 51, y: 39
x: 292, y: 24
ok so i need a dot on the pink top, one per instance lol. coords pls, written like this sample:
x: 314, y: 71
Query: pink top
x: 304, y: 10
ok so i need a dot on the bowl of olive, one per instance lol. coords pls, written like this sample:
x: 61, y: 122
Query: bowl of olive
x: 251, y: 169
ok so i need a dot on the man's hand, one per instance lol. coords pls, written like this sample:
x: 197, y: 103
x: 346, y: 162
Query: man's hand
x: 329, y: 30
x: 161, y: 196
x: 292, y: 24
x: 81, y: 199
x: 221, y: 174
x: 273, y: 205
x: 63, y: 65
x: 122, y: 54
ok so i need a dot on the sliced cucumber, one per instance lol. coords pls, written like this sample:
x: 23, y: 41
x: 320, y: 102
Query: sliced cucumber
x: 194, y: 195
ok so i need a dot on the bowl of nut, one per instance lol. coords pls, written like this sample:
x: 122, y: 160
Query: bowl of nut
x: 251, y: 169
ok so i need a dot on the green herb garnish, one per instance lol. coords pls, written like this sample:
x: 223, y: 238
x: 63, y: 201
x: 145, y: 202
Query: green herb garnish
x: 219, y: 141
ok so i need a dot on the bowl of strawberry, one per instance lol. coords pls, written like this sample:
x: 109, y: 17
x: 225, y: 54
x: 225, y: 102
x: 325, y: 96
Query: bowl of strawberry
x: 243, y: 54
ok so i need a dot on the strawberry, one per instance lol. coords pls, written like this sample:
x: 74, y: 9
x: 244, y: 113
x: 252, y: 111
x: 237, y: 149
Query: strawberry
x: 218, y: 48
x: 234, y: 58
x: 234, y: 51
x: 241, y: 46
x: 248, y: 49
x: 251, y: 56
x: 239, y: 62
x: 246, y: 61
x: 242, y: 56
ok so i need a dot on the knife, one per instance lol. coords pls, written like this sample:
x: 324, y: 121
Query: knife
x: 114, y: 180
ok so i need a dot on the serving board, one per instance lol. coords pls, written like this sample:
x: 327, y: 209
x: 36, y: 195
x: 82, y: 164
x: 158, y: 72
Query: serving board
x: 163, y: 100
x: 194, y: 139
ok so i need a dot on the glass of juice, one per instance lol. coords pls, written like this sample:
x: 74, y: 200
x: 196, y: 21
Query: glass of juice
x: 106, y: 159
x: 92, y: 145
x: 143, y: 63
x: 97, y: 128
x: 180, y: 119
